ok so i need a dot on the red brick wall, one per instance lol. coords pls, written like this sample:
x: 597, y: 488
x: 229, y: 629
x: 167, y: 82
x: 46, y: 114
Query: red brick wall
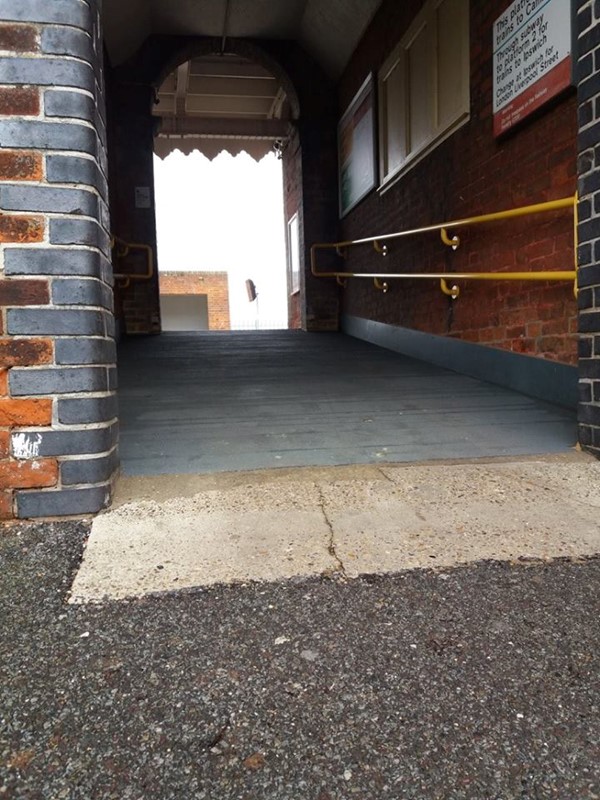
x: 472, y: 173
x: 212, y: 284
x: 292, y: 201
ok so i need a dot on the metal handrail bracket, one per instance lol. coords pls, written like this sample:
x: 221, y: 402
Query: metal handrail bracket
x: 125, y: 249
x: 379, y: 278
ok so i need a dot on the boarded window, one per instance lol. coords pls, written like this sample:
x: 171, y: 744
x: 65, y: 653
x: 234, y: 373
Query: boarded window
x: 424, y: 85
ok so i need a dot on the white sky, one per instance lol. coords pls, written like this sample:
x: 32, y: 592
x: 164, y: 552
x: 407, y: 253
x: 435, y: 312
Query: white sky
x: 226, y: 215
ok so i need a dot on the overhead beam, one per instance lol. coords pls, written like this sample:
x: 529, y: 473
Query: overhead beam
x: 183, y: 74
x: 245, y: 128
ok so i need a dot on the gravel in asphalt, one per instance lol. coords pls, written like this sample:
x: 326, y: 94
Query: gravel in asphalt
x: 473, y: 682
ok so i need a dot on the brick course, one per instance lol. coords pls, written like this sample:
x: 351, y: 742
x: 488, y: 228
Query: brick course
x: 55, y: 276
x: 587, y: 70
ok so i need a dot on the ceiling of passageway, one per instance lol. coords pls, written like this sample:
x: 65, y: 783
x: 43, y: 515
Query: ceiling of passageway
x: 328, y: 29
x: 220, y: 102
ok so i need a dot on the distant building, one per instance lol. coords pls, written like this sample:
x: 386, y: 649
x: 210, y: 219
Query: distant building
x: 194, y: 301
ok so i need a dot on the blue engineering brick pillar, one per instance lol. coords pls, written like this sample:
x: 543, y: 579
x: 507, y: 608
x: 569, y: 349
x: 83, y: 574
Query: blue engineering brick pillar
x: 59, y: 413
x: 588, y: 85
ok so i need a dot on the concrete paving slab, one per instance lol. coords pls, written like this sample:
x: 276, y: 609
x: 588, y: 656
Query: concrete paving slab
x: 165, y: 550
x: 344, y: 521
x: 464, y: 513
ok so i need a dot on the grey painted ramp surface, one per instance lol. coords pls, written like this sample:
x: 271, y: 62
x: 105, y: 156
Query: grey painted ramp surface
x: 211, y: 402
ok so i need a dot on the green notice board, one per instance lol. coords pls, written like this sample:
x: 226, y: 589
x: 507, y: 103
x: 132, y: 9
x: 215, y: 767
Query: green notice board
x: 356, y: 148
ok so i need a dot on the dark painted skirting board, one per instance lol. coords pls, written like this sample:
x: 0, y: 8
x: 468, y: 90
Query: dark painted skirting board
x: 535, y: 377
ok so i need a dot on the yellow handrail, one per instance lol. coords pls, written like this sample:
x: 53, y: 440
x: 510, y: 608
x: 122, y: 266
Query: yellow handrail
x: 443, y: 227
x: 126, y: 247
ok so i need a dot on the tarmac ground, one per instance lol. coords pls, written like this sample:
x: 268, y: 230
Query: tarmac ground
x: 477, y: 681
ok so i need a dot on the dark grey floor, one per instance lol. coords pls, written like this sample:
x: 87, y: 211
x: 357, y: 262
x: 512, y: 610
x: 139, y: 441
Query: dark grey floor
x: 478, y: 683
x: 193, y: 403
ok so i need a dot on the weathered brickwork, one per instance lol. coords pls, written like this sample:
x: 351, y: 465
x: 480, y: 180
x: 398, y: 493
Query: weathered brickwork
x: 215, y: 285
x: 588, y: 75
x: 58, y: 432
x: 473, y: 173
x: 293, y: 204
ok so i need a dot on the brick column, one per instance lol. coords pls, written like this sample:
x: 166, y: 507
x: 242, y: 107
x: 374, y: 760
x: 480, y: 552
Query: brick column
x: 58, y: 426
x: 588, y: 76
x: 131, y: 146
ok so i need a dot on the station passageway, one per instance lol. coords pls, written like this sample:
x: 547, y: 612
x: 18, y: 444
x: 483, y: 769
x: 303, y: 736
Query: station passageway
x: 214, y: 402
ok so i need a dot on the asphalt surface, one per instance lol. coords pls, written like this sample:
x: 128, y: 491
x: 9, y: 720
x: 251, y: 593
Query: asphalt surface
x: 476, y: 682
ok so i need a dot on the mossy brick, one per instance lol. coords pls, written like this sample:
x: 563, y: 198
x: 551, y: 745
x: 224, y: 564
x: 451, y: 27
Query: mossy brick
x: 57, y: 380
x: 54, y: 261
x: 82, y: 350
x: 89, y: 292
x: 33, y: 134
x: 76, y: 13
x: 47, y: 72
x: 61, y: 503
x: 87, y: 410
x: 55, y: 322
x: 49, y: 199
x: 89, y: 470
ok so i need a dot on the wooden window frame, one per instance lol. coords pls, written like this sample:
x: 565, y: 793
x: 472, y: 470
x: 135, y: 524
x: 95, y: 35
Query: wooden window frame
x: 399, y: 59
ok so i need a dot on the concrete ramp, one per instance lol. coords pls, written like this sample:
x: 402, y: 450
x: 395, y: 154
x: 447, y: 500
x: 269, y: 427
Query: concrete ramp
x: 174, y: 532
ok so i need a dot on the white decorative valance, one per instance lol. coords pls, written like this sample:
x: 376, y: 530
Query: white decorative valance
x: 211, y: 146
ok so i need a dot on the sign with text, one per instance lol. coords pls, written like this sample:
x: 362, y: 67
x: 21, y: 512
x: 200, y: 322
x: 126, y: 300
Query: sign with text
x: 532, y: 58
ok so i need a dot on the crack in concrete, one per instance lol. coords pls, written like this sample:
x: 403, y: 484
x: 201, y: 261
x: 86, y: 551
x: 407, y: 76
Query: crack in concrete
x: 385, y: 475
x: 341, y: 569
